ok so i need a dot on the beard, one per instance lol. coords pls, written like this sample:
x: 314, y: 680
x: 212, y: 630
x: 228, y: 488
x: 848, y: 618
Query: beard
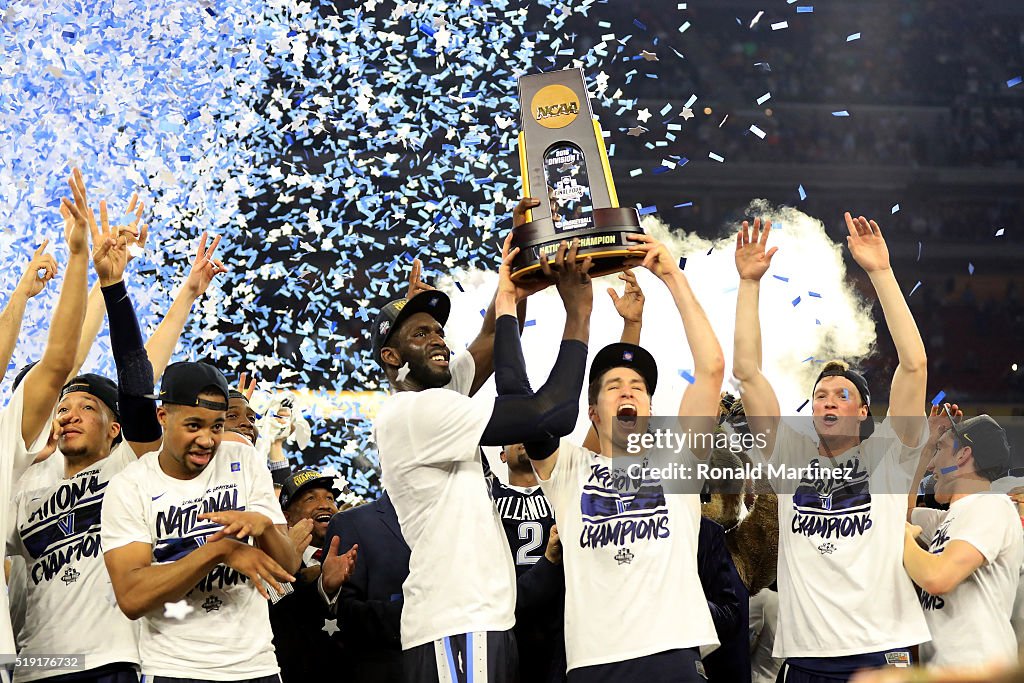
x: 427, y: 376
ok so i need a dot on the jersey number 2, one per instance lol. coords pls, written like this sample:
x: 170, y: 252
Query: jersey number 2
x: 533, y: 534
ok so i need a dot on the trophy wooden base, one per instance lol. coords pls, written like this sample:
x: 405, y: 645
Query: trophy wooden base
x: 605, y: 242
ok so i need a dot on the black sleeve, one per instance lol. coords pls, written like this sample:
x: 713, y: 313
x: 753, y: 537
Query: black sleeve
x: 548, y: 413
x: 134, y: 371
x: 509, y: 363
x: 539, y: 587
x: 715, y: 569
x: 510, y: 376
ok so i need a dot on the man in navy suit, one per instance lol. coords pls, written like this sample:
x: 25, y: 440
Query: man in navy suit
x: 728, y: 601
x: 369, y: 607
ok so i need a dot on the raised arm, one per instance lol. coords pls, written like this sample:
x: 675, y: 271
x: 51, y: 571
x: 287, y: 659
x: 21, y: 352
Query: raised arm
x: 135, y: 385
x: 205, y: 267
x: 482, y: 348
x: 699, y: 404
x: 630, y: 307
x: 134, y: 236
x: 909, y: 381
x: 759, y: 401
x: 44, y: 381
x: 30, y: 284
x: 539, y: 419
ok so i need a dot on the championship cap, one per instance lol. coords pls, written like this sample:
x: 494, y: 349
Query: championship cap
x: 434, y: 302
x: 303, y: 480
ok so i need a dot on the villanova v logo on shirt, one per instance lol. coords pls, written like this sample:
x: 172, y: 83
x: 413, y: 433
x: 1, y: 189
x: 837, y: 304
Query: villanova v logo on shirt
x: 66, y: 524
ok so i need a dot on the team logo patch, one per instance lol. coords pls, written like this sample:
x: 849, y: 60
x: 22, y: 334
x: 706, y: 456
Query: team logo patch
x: 212, y: 603
x: 627, y: 356
x: 433, y: 301
x: 624, y: 556
x: 826, y: 548
x: 66, y: 524
x: 70, y: 576
x: 900, y: 659
x: 236, y: 467
x: 384, y: 327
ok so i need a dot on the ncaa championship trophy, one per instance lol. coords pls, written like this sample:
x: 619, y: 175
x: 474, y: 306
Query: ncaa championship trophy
x: 564, y: 164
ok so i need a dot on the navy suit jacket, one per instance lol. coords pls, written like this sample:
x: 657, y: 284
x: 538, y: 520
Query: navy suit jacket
x: 370, y: 606
x: 729, y: 604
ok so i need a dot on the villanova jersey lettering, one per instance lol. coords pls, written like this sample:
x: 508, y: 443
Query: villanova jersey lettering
x: 526, y: 519
x: 611, y: 517
x: 833, y: 508
x: 175, y: 521
x: 67, y: 496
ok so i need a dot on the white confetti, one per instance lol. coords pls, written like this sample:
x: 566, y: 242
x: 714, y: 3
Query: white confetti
x: 177, y: 610
x: 757, y: 131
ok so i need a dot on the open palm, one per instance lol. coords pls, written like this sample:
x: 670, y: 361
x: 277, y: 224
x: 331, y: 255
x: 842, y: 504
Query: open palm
x: 867, y: 244
x: 752, y: 256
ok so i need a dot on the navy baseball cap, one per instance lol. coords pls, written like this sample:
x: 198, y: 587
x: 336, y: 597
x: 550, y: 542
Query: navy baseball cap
x: 867, y: 427
x: 989, y: 447
x: 184, y: 382
x: 624, y: 355
x: 434, y: 302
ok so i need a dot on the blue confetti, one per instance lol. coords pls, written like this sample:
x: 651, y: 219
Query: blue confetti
x: 918, y: 251
x: 841, y: 113
x: 894, y: 209
x: 949, y: 470
x: 647, y: 210
x: 803, y: 405
x: 803, y: 194
x: 970, y: 268
x: 914, y: 289
x: 530, y: 323
x: 1014, y: 81
x: 685, y: 374
x: 683, y: 205
x: 796, y: 301
x: 852, y: 37
x: 814, y: 294
x: 939, y: 397
x: 458, y: 285
x: 682, y: 263
x: 780, y: 277
x: 802, y: 9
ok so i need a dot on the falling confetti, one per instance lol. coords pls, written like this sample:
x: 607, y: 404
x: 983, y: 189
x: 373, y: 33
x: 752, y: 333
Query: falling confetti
x: 177, y: 610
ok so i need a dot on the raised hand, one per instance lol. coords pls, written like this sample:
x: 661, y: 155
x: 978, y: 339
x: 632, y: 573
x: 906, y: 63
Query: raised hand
x: 204, y: 267
x: 257, y: 566
x: 244, y: 389
x: 40, y: 269
x: 752, y: 260
x: 79, y: 221
x: 337, y: 568
x: 134, y: 235
x: 630, y: 305
x: 656, y: 257
x: 867, y: 244
x: 523, y: 288
x: 109, y: 250
x: 519, y: 213
x: 238, y: 523
x: 416, y: 285
x: 571, y: 277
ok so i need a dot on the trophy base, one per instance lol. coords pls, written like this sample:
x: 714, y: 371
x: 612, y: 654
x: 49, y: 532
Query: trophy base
x: 604, y: 242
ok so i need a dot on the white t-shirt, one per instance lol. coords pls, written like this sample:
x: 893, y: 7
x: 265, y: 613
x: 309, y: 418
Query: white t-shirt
x: 70, y: 605
x: 630, y: 549
x: 227, y: 635
x: 971, y: 624
x: 461, y: 577
x: 15, y: 457
x: 842, y: 586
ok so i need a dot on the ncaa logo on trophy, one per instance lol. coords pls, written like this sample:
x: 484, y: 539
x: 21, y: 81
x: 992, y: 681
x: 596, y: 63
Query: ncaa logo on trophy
x: 563, y: 160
